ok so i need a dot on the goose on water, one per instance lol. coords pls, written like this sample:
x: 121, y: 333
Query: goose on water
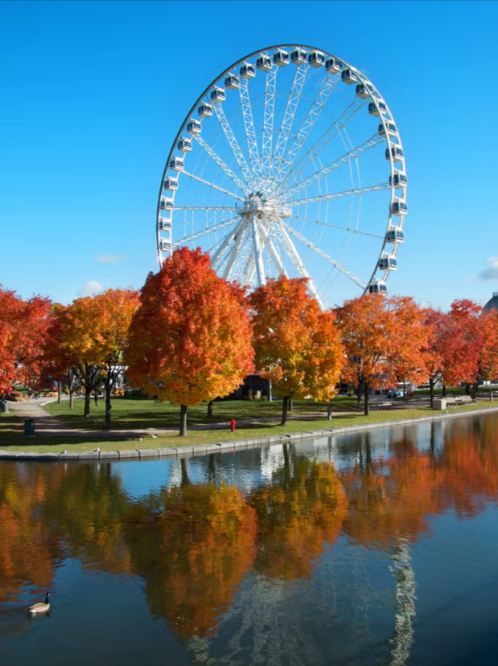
x: 40, y: 607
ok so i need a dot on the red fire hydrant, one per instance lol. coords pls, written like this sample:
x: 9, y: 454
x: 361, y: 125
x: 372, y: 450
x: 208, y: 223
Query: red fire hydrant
x: 232, y: 424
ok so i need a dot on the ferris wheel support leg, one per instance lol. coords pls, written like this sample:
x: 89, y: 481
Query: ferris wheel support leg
x: 258, y: 253
x: 301, y: 269
x: 234, y: 252
x: 216, y: 256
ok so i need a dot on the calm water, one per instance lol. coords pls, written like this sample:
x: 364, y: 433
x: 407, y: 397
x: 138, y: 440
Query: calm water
x: 379, y: 548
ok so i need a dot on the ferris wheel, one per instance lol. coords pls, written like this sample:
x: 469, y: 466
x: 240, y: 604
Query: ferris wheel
x: 289, y: 162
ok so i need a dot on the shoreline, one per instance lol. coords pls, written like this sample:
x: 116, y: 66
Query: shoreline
x: 228, y: 446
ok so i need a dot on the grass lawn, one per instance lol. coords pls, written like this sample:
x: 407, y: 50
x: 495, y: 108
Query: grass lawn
x: 12, y: 438
x: 145, y: 413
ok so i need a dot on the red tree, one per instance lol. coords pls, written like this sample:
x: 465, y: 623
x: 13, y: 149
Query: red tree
x: 190, y: 339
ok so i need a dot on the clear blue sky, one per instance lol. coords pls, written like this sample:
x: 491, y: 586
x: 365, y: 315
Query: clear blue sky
x: 94, y: 93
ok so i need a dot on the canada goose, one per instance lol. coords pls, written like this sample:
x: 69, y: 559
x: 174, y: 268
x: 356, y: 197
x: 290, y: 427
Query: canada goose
x: 41, y: 607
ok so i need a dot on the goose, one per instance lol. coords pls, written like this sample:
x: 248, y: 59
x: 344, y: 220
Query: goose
x: 40, y: 607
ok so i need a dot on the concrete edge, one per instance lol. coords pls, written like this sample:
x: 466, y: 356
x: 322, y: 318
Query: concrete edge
x: 223, y: 447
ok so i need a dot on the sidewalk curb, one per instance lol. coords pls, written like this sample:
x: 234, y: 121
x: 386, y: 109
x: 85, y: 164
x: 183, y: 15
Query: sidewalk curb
x: 227, y: 446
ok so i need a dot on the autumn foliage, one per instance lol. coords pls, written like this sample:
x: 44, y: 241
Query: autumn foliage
x: 190, y: 339
x: 297, y: 346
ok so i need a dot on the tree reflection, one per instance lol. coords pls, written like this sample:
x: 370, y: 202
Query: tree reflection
x: 298, y: 515
x: 29, y: 547
x: 196, y: 545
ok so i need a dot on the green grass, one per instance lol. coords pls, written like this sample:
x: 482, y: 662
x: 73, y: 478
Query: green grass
x: 12, y: 438
x: 139, y: 413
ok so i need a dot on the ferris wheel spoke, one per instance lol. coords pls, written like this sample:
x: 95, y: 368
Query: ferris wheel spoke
x: 272, y: 250
x: 306, y: 127
x: 203, y: 232
x: 294, y: 256
x: 234, y: 253
x: 332, y: 166
x: 221, y: 163
x: 288, y: 120
x: 330, y: 134
x: 258, y: 253
x: 215, y: 259
x: 268, y: 117
x: 338, y: 195
x: 338, y: 226
x: 252, y: 145
x: 325, y: 256
x: 216, y: 187
x: 234, y: 145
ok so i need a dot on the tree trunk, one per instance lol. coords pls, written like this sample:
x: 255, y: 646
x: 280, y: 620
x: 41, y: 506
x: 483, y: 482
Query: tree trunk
x: 358, y: 392
x: 59, y: 392
x: 210, y: 409
x: 183, y: 420
x: 108, y: 406
x: 431, y: 391
x: 329, y: 411
x: 490, y: 393
x: 71, y: 390
x: 444, y: 391
x: 285, y: 406
x: 474, y: 391
x: 367, y: 403
x: 88, y: 395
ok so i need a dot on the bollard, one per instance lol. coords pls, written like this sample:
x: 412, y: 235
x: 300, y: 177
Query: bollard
x: 4, y: 406
x: 232, y: 424
x: 29, y: 428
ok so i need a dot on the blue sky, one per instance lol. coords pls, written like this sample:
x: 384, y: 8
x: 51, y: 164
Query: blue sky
x: 95, y: 92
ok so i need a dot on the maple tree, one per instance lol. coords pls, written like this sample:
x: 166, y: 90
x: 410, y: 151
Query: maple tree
x: 297, y: 346
x: 23, y: 325
x: 114, y: 311
x: 76, y: 342
x: 190, y: 339
x: 408, y: 339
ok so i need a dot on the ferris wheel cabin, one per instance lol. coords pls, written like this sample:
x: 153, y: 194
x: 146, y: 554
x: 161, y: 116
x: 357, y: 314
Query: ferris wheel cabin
x: 281, y: 58
x: 218, y: 95
x: 205, y: 110
x: 264, y: 63
x: 299, y: 57
x: 388, y: 263
x: 389, y: 129
x: 364, y: 90
x: 376, y: 109
x: 194, y: 127
x: 377, y: 287
x: 184, y: 145
x: 399, y: 180
x: 396, y: 153
x: 348, y: 76
x: 165, y: 225
x: 232, y: 82
x: 170, y: 184
x: 248, y: 71
x: 176, y: 163
x: 399, y: 207
x: 165, y: 203
x: 316, y: 59
x: 395, y: 235
x: 333, y: 66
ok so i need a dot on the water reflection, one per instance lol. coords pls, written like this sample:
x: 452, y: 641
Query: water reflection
x: 226, y: 543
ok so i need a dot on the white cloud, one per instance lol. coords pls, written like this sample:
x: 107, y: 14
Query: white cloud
x: 90, y: 288
x: 490, y: 273
x: 110, y: 258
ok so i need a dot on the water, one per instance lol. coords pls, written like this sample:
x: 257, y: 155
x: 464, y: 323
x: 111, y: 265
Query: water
x: 374, y: 548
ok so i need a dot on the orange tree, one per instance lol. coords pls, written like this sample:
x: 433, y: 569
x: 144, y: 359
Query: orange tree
x: 367, y: 327
x: 190, y: 339
x: 114, y: 310
x: 384, y: 338
x: 297, y: 345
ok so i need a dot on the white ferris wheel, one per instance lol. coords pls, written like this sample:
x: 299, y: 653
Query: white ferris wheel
x: 290, y: 162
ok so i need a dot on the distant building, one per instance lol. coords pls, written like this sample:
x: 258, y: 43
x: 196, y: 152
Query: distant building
x: 492, y: 304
